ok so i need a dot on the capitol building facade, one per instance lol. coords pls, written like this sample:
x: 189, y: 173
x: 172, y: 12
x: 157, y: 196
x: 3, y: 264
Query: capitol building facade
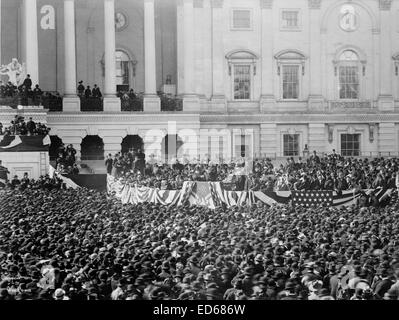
x: 230, y: 78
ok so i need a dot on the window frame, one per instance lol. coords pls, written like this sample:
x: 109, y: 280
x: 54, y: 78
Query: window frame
x: 291, y: 28
x: 251, y: 76
x: 248, y: 148
x: 359, y: 135
x: 290, y: 57
x: 233, y: 28
x: 360, y: 63
x: 282, y: 81
x: 285, y: 134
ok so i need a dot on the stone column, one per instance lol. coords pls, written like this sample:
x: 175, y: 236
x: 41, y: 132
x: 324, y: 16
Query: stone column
x: 267, y: 99
x: 71, y: 103
x: 385, y: 99
x: 112, y: 145
x: 190, y: 99
x: 151, y: 100
x: 218, y: 58
x: 317, y: 138
x: 31, y: 52
x: 1, y: 62
x: 316, y: 101
x: 111, y: 102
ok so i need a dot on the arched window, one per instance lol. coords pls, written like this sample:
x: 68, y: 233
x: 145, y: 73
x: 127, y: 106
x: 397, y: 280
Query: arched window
x: 122, y: 70
x: 348, y: 75
x: 125, y: 67
x: 349, y: 68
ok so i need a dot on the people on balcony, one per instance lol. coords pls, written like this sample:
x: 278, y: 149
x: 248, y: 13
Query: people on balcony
x: 20, y: 127
x: 88, y: 92
x: 81, y: 89
x: 96, y: 92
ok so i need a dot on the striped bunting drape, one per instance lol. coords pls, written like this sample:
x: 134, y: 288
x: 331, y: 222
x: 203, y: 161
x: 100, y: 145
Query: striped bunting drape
x: 212, y: 194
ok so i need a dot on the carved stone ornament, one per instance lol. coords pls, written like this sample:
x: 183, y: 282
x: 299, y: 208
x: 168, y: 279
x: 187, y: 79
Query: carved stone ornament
x: 314, y: 4
x: 217, y: 3
x: 266, y: 4
x: 198, y: 3
x: 385, y: 4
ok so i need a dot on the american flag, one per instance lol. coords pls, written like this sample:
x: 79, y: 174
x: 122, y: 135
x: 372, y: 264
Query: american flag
x: 312, y: 198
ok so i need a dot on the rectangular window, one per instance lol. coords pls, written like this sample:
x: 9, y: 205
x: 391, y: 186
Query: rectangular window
x: 350, y: 145
x: 243, y: 145
x: 122, y: 72
x: 348, y: 82
x: 290, y: 82
x: 242, y: 82
x: 291, y: 145
x: 241, y: 19
x: 290, y: 19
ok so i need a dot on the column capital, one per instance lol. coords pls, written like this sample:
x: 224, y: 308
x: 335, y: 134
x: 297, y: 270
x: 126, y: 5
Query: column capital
x: 385, y: 5
x: 266, y: 4
x: 217, y: 3
x: 198, y: 3
x: 314, y: 4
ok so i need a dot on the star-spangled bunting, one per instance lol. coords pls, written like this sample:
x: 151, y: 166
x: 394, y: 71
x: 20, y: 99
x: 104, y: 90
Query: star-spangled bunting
x: 312, y: 198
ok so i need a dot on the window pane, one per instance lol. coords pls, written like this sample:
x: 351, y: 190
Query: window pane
x: 291, y: 145
x: 242, y: 82
x: 242, y: 19
x: 350, y: 144
x: 290, y: 18
x: 290, y: 82
x: 348, y: 82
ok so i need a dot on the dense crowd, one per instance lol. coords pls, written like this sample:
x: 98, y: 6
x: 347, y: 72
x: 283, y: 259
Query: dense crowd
x: 83, y: 245
x: 65, y: 162
x: 44, y: 182
x: 329, y: 172
x: 22, y: 128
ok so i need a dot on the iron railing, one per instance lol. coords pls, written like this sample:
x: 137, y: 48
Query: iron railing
x: 170, y: 103
x: 134, y: 104
x: 91, y: 104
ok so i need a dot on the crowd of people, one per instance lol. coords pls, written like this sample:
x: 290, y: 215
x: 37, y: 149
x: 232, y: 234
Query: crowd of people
x: 21, y: 127
x: 87, y: 92
x: 65, y: 162
x: 329, y: 172
x: 44, y: 182
x: 81, y: 244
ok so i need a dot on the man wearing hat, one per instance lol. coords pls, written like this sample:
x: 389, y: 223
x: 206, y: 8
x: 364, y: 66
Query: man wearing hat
x: 81, y: 88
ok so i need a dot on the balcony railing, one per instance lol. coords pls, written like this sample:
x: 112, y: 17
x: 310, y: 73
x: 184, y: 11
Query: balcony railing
x: 170, y: 103
x: 49, y: 100
x: 132, y: 104
x: 91, y: 104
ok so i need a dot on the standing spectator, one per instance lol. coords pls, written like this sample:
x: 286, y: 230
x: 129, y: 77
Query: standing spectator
x: 96, y: 92
x: 37, y: 93
x: 3, y: 175
x: 15, y: 182
x: 108, y: 164
x: 81, y: 88
x: 88, y: 92
x: 27, y: 82
x: 31, y: 126
x: 132, y: 95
